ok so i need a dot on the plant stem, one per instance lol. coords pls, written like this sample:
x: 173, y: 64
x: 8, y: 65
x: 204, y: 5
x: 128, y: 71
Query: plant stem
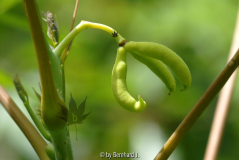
x: 24, y: 124
x: 81, y: 26
x: 198, y: 109
x: 51, y: 101
x: 63, y: 82
x: 41, y: 48
x: 67, y: 50
x: 223, y: 106
x: 74, y: 14
x: 37, y: 122
x: 24, y: 97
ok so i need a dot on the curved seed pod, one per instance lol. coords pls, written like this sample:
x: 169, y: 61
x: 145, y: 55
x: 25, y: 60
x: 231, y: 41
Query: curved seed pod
x: 119, y: 86
x: 166, y: 55
x: 159, y: 68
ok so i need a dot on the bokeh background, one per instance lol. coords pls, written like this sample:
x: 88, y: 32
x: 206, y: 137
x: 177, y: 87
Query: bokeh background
x: 200, y: 31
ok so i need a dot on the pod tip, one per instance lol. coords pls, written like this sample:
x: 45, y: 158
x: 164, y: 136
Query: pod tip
x: 140, y: 105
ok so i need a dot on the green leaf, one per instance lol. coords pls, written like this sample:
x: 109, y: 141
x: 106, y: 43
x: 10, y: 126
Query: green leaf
x: 72, y: 105
x: 64, y: 111
x: 83, y: 117
x: 37, y: 94
x: 75, y: 115
x: 81, y: 108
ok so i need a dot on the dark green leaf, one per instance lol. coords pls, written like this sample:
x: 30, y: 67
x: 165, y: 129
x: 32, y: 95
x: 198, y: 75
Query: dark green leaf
x: 81, y: 108
x: 64, y: 110
x: 83, y: 117
x: 74, y: 115
x: 72, y: 105
x: 37, y: 94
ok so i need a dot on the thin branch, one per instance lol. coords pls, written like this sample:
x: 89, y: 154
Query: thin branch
x: 67, y: 49
x: 86, y: 25
x: 24, y: 97
x: 198, y: 109
x: 24, y: 124
x: 223, y: 106
x: 74, y: 15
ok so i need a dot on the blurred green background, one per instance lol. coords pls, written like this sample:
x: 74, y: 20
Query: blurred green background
x: 200, y: 31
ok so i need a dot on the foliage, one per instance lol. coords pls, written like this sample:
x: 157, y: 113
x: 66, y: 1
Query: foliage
x: 75, y: 114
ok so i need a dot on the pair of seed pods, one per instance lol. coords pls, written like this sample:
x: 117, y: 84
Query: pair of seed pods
x: 156, y: 57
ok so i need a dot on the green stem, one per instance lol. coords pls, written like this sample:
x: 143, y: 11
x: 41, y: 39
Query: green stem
x: 39, y: 125
x: 41, y: 48
x: 198, y: 109
x: 24, y: 97
x: 63, y: 81
x: 24, y: 124
x: 81, y: 26
x: 67, y: 49
x: 51, y: 101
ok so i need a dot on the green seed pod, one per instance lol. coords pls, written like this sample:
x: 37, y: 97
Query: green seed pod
x: 167, y: 56
x: 119, y: 86
x: 159, y: 68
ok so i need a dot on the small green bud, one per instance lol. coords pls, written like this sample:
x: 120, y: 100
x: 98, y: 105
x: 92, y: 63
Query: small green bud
x: 20, y: 89
x: 52, y: 27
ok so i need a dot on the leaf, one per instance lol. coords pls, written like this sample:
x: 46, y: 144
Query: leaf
x: 83, y: 117
x: 37, y: 94
x: 74, y: 115
x: 64, y: 110
x: 72, y: 105
x: 70, y: 119
x: 81, y: 108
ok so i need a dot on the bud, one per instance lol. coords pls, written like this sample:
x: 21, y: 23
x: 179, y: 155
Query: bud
x: 20, y: 90
x: 52, y: 27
